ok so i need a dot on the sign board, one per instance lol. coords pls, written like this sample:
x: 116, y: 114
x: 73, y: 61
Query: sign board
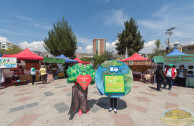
x: 130, y: 62
x: 84, y: 81
x: 174, y: 59
x: 143, y: 62
x: 6, y: 62
x: 114, y: 84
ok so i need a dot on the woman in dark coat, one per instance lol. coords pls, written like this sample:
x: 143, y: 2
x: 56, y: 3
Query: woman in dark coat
x: 160, y: 77
x: 79, y: 100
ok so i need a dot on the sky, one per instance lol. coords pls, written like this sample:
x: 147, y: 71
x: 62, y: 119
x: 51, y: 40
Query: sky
x: 27, y: 22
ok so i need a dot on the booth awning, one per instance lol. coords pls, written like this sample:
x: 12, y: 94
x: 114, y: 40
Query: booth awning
x: 176, y: 52
x: 53, y: 60
x: 25, y: 55
x: 67, y: 60
x: 80, y: 61
x: 134, y: 57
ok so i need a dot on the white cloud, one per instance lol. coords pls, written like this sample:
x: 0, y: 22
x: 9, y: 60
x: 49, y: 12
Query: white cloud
x: 22, y: 17
x: 111, y: 46
x: 3, y: 39
x: 170, y: 15
x: 148, y: 47
x: 84, y: 40
x: 183, y: 44
x: 42, y: 26
x: 89, y: 49
x: 79, y: 49
x: 115, y: 17
x: 33, y: 46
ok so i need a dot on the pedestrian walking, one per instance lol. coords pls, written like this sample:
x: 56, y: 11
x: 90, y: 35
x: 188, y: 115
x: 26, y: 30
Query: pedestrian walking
x: 170, y: 74
x: 33, y: 74
x: 43, y: 74
x: 160, y: 77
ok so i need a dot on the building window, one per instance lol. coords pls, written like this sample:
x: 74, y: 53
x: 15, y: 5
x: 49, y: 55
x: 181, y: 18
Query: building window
x: 3, y: 47
x: 96, y: 46
x: 104, y: 45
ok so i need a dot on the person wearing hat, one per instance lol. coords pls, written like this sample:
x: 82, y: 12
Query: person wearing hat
x: 170, y: 74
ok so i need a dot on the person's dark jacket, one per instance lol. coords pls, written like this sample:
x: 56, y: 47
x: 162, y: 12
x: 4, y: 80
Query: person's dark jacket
x: 159, y: 75
x: 184, y: 73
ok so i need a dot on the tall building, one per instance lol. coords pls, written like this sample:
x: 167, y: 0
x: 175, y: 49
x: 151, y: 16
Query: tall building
x: 99, y: 46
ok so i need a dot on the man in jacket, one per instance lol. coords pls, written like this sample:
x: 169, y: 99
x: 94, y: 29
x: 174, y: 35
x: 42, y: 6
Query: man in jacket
x: 160, y: 77
x: 170, y: 76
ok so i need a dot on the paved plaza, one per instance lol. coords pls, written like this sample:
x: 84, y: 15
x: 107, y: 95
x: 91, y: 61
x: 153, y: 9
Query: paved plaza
x: 48, y: 105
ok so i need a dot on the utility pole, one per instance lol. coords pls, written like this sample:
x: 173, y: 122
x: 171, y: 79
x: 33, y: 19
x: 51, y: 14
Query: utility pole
x: 126, y: 53
x: 169, y: 32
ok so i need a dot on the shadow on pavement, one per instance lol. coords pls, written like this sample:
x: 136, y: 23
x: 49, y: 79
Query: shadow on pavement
x: 104, y: 102
x: 153, y: 88
x: 91, y: 103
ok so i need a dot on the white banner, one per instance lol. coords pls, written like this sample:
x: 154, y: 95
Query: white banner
x: 6, y: 62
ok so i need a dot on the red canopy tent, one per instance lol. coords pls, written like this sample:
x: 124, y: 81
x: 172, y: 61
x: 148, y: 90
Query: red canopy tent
x: 25, y: 55
x: 135, y: 56
x: 79, y: 61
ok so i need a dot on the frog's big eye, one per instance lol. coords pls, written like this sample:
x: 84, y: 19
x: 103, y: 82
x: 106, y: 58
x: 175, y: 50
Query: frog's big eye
x: 116, y: 69
x: 111, y: 69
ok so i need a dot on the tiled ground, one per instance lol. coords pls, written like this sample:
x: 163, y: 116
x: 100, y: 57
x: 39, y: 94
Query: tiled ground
x: 48, y: 105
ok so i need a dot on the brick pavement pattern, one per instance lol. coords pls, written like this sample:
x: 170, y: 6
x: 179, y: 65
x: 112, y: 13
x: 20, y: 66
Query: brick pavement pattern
x: 48, y: 105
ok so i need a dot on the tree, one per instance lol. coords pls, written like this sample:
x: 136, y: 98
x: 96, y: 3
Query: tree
x: 130, y: 38
x: 99, y: 59
x: 14, y: 50
x: 61, y: 40
x: 158, y: 51
x: 110, y: 55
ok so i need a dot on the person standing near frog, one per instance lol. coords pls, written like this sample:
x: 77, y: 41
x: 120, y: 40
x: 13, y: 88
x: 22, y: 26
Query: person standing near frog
x: 114, y: 79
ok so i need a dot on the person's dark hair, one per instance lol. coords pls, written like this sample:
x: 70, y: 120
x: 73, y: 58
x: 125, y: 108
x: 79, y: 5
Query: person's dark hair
x: 159, y: 67
x: 32, y: 65
x: 182, y: 66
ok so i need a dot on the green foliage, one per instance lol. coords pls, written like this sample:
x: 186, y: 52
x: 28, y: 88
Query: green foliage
x: 130, y: 38
x: 110, y: 55
x: 61, y: 40
x: 158, y: 51
x: 14, y: 50
x: 99, y: 59
x: 86, y: 59
x: 78, y: 69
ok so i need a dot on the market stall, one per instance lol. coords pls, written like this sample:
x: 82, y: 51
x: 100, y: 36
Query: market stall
x: 178, y: 58
x: 141, y: 67
x: 53, y: 67
x: 25, y: 60
x: 6, y: 63
x: 68, y: 62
